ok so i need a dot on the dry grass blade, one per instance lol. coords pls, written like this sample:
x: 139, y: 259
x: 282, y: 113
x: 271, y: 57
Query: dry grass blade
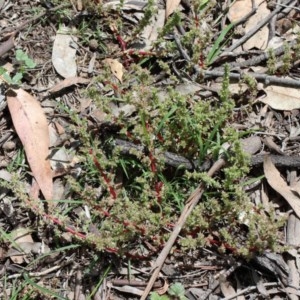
x: 31, y: 125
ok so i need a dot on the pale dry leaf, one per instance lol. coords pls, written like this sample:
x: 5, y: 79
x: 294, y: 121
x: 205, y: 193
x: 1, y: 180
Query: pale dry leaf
x: 150, y: 32
x: 53, y: 135
x: 252, y: 144
x: 235, y: 88
x: 16, y: 252
x: 129, y: 289
x: 260, y: 39
x: 69, y: 82
x: 116, y: 68
x: 282, y: 98
x: 127, y: 5
x: 280, y: 186
x: 171, y: 6
x: 226, y: 287
x: 295, y: 186
x: 31, y: 126
x: 5, y: 175
x: 64, y: 54
x: 239, y: 9
x: 59, y: 128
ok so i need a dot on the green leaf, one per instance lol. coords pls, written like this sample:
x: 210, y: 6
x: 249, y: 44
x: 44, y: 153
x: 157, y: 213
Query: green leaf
x: 2, y: 70
x: 30, y: 63
x: 166, y: 117
x: 23, y: 57
x: 203, y: 4
x: 155, y: 296
x: 7, y: 78
x: 176, y: 289
x: 42, y: 289
x: 20, y: 55
x: 17, y: 78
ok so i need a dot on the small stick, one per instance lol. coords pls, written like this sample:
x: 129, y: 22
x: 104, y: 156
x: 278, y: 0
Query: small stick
x: 258, y: 58
x: 264, y: 78
x: 189, y: 206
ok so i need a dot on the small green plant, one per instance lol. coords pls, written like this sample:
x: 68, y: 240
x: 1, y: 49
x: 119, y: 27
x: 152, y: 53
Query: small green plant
x: 149, y: 12
x: 286, y: 59
x: 175, y: 292
x: 25, y: 63
x: 271, y: 62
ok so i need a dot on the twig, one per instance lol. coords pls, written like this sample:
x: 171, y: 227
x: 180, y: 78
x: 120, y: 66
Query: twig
x: 176, y: 160
x: 261, y: 24
x: 272, y: 26
x: 36, y: 274
x: 265, y: 78
x: 289, y: 7
x: 260, y: 58
x: 189, y: 206
x: 278, y: 160
x: 250, y: 289
x: 170, y: 158
x: 78, y: 285
x: 136, y: 283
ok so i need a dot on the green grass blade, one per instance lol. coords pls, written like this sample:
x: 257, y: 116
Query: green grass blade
x: 216, y: 49
x: 43, y: 290
x: 166, y: 117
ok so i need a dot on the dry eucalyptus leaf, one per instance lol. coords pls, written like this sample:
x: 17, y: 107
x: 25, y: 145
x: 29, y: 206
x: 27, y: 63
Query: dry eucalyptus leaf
x: 282, y: 98
x: 16, y: 252
x: 260, y: 39
x: 252, y: 144
x: 150, y: 32
x: 239, y: 9
x: 127, y: 5
x: 31, y: 126
x: 129, y: 289
x: 280, y: 186
x: 69, y: 82
x: 226, y: 287
x: 116, y: 68
x: 64, y: 54
x: 171, y: 6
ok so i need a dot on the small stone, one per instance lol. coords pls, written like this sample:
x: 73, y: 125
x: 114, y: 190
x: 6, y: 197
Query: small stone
x: 93, y: 44
x: 9, y: 145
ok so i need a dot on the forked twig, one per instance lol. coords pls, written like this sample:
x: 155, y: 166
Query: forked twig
x: 188, y: 208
